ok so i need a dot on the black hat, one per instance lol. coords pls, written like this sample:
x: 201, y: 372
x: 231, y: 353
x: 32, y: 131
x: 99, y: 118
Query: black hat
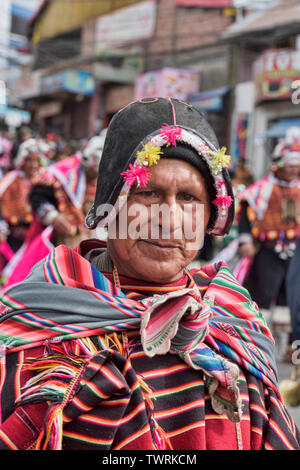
x: 172, y: 129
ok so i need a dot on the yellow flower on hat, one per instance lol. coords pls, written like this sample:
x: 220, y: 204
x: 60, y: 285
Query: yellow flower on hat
x: 220, y: 159
x: 149, y: 155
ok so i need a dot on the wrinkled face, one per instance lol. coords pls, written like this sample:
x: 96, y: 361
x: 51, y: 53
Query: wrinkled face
x: 166, y: 223
x: 288, y: 172
x: 31, y: 165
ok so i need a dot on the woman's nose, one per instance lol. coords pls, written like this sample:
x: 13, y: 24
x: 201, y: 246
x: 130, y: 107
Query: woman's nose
x: 171, y: 216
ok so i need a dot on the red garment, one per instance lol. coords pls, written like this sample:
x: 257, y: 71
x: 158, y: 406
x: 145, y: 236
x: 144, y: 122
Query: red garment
x: 188, y: 424
x: 135, y: 397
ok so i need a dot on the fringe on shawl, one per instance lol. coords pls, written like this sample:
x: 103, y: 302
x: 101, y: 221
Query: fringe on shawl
x: 58, y: 374
x: 159, y: 437
x: 56, y: 381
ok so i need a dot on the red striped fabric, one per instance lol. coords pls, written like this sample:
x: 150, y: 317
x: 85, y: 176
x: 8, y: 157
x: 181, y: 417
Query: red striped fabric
x: 116, y: 406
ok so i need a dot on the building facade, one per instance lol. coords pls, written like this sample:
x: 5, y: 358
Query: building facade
x: 267, y: 78
x: 113, y: 48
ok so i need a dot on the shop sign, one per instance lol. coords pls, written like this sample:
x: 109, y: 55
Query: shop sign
x: 49, y: 109
x: 175, y: 83
x: 109, y: 73
x: 274, y: 72
x: 127, y: 72
x: 52, y: 83
x: 211, y: 100
x: 126, y: 25
x: 214, y: 104
x: 28, y: 86
x: 79, y: 81
x: 72, y: 81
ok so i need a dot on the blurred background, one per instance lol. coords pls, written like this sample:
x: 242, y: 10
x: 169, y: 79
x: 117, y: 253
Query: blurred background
x: 236, y: 60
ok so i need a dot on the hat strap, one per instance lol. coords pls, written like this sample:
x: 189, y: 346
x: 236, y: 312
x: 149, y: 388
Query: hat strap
x: 173, y: 111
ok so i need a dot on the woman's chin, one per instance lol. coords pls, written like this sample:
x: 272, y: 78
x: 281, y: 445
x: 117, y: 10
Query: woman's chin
x: 157, y: 271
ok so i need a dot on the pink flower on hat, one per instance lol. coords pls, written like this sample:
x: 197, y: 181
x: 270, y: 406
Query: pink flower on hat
x: 138, y: 175
x: 171, y: 134
x: 223, y: 201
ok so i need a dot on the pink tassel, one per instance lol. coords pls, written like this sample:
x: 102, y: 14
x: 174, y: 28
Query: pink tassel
x: 138, y: 175
x: 223, y: 201
x: 171, y: 134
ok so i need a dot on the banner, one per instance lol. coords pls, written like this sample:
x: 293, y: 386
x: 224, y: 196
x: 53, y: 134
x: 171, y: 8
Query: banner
x: 175, y: 83
x: 127, y: 25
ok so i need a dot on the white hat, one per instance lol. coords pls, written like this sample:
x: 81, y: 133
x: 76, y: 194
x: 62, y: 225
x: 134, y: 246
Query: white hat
x: 92, y: 151
x: 31, y: 146
x: 287, y: 151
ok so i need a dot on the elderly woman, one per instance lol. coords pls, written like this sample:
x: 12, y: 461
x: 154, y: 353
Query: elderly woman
x: 15, y: 186
x: 18, y: 226
x: 119, y: 345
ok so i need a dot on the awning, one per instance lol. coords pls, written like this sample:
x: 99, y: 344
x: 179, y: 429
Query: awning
x: 282, y: 125
x: 13, y: 116
x: 211, y: 100
x: 265, y: 26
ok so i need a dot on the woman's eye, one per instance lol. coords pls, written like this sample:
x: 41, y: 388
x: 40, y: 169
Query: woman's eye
x: 148, y: 193
x: 187, y: 197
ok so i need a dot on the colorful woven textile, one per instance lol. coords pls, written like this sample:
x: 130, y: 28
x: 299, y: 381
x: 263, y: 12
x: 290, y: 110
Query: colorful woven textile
x: 213, y: 329
x: 71, y: 175
x: 14, y: 191
x: 66, y: 185
x: 29, y: 254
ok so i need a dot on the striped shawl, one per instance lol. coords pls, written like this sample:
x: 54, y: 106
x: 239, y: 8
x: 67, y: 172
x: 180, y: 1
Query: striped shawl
x: 216, y: 330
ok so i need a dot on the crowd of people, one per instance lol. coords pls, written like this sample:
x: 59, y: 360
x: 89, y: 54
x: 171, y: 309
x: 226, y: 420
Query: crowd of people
x: 263, y: 238
x: 46, y: 189
x: 126, y: 343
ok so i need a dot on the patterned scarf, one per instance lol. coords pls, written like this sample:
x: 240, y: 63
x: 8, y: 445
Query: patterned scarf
x: 215, y: 331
